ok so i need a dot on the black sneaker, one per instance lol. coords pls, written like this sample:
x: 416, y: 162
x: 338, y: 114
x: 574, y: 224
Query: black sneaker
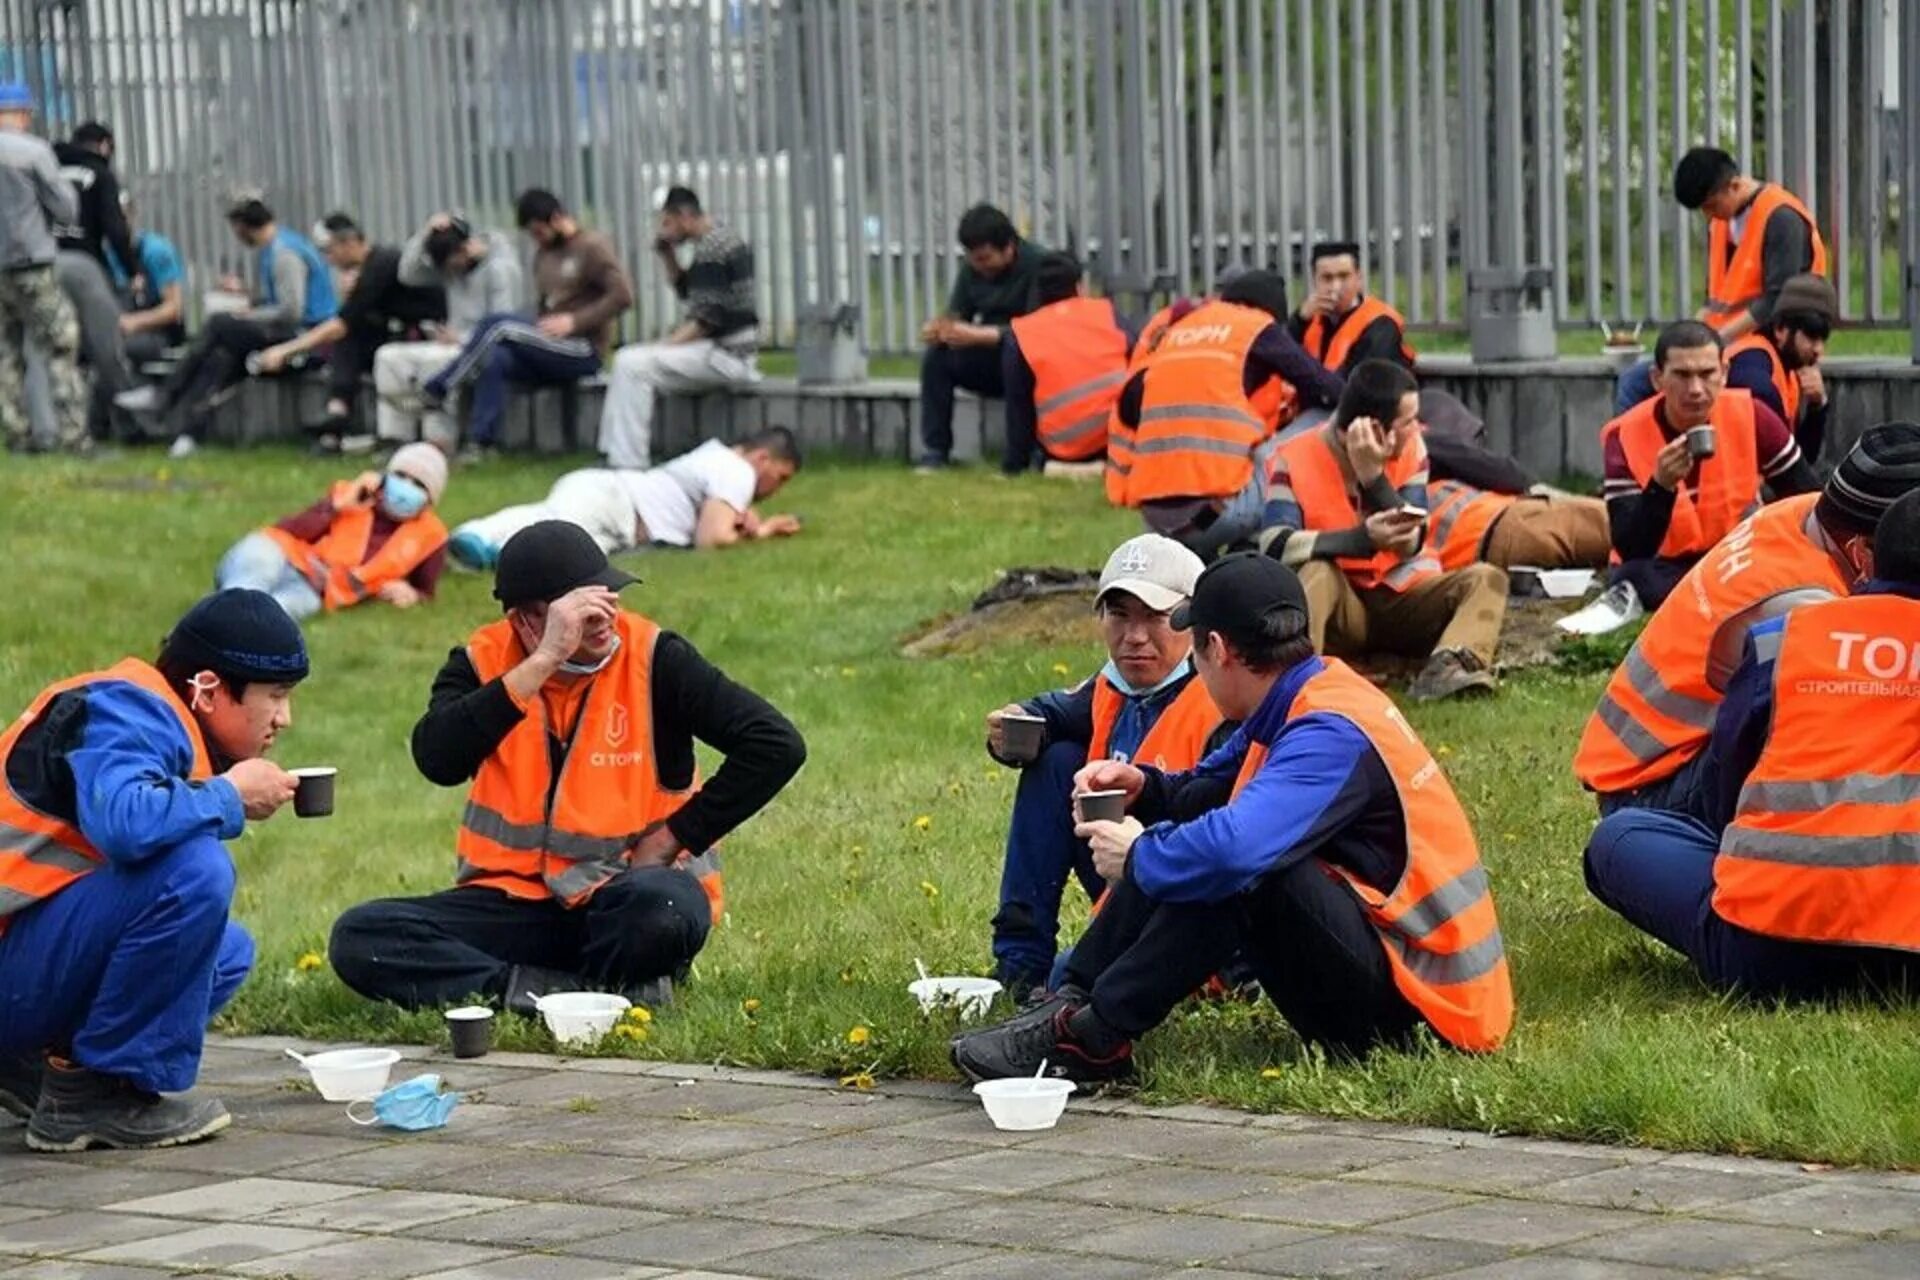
x: 1018, y: 1046
x: 81, y: 1108
x: 20, y: 1075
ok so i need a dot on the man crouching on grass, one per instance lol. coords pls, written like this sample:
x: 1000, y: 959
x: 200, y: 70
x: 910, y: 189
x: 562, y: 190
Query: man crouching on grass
x: 586, y: 853
x: 1322, y: 841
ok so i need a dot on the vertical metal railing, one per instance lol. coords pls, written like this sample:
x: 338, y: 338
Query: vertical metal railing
x: 1156, y: 138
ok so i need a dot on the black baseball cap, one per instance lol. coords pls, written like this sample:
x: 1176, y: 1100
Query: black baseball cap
x: 1236, y: 592
x: 544, y: 561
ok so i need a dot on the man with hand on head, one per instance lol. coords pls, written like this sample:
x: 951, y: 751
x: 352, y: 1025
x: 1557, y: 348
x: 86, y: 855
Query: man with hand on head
x: 1779, y: 362
x: 1145, y: 704
x: 1322, y: 842
x: 116, y: 945
x: 587, y: 852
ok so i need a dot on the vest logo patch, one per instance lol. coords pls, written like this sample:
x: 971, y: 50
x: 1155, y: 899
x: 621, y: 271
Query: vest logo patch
x: 1195, y: 335
x: 617, y: 725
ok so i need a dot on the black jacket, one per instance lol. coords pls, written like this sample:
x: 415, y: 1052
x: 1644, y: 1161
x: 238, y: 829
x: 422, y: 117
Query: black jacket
x: 102, y: 221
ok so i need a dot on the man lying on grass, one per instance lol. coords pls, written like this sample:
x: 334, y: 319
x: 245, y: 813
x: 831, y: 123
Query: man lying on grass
x: 586, y: 853
x: 1322, y: 842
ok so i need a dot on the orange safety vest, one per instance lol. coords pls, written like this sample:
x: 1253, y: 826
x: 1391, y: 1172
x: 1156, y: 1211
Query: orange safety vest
x: 1460, y: 519
x: 1735, y: 281
x: 1728, y: 490
x: 1331, y: 344
x: 1825, y: 843
x: 41, y: 854
x: 1119, y: 434
x: 1437, y: 925
x: 529, y: 838
x: 1320, y: 485
x: 337, y: 568
x: 1179, y: 736
x: 1658, y: 709
x: 1078, y: 354
x: 1784, y: 383
x: 1198, y: 429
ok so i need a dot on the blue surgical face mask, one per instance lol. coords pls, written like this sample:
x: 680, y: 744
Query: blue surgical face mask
x: 401, y: 498
x: 413, y: 1104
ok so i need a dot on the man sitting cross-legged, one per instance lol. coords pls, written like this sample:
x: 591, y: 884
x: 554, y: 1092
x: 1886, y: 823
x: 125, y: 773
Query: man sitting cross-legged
x: 1322, y: 842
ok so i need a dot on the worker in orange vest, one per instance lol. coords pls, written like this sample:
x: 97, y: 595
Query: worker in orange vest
x: 1347, y: 506
x: 1322, y: 841
x: 1643, y: 744
x: 1468, y: 525
x: 1063, y: 365
x: 1759, y: 236
x: 1796, y: 872
x: 1681, y: 470
x: 1198, y: 419
x: 375, y: 537
x: 1780, y: 361
x: 1338, y: 323
x: 117, y: 944
x: 1144, y: 704
x: 587, y: 854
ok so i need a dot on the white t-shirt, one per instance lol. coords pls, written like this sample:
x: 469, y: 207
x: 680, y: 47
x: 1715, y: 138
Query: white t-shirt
x: 668, y: 498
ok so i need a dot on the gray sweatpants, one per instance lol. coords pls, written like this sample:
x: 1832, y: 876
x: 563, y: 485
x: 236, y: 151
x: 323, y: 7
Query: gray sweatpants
x: 87, y: 287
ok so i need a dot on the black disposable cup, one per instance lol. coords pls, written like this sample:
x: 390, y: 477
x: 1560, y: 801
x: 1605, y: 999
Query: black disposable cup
x: 472, y: 1031
x: 1102, y: 806
x: 1020, y: 736
x: 313, y: 794
x: 1701, y: 442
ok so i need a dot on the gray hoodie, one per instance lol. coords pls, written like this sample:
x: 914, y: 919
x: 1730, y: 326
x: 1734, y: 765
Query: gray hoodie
x: 494, y: 284
x: 34, y: 198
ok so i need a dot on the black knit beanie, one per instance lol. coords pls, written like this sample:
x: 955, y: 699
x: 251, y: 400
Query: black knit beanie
x: 1883, y: 465
x: 242, y: 635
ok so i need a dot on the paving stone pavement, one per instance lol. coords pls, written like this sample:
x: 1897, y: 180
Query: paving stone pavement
x: 580, y: 1169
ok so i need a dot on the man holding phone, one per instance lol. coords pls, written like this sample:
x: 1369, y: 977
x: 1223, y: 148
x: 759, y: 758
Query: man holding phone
x: 1347, y: 508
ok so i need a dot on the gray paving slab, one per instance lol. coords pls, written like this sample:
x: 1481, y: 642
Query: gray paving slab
x: 242, y: 1153
x: 850, y: 1205
x: 399, y: 1164
x: 701, y: 1189
x: 1179, y: 1240
x: 1859, y: 1260
x: 692, y: 1242
x: 1488, y: 1169
x: 68, y: 1269
x: 78, y: 1231
x: 80, y: 1184
x: 851, y: 1110
x: 1336, y: 1203
x: 1001, y: 1265
x: 540, y: 1226
x: 386, y: 1211
x: 1543, y: 1266
x: 1008, y: 1172
x: 1704, y: 1245
x: 849, y: 1155
x: 1517, y: 1224
x: 1171, y: 1187
x: 568, y: 1089
x: 538, y: 1266
x: 1378, y: 1257
x: 856, y: 1258
x: 1830, y: 1206
x: 1013, y: 1222
x: 20, y: 1214
x: 534, y: 1175
x: 237, y: 1199
x: 225, y: 1244
x: 370, y: 1258
x: 1659, y: 1188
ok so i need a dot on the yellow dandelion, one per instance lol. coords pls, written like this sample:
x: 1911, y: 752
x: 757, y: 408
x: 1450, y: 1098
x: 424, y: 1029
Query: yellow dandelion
x: 631, y: 1031
x: 849, y: 672
x: 858, y: 1080
x: 846, y: 976
x: 308, y: 962
x: 929, y: 888
x: 640, y: 1014
x: 858, y: 850
x: 750, y: 1006
x: 1444, y: 750
x: 1270, y: 1073
x: 859, y: 1035
x: 1062, y: 669
x: 923, y: 823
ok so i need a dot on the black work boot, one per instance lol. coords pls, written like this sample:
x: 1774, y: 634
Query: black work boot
x: 526, y: 983
x: 1450, y: 673
x: 1046, y: 1033
x: 20, y: 1082
x: 81, y: 1108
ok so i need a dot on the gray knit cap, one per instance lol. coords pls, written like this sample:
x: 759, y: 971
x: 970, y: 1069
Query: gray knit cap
x: 1883, y: 465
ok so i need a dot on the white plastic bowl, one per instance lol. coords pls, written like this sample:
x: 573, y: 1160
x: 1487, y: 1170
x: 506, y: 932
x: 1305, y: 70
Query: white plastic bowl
x: 350, y: 1075
x: 581, y: 1017
x: 1024, y: 1103
x: 1566, y: 584
x: 969, y: 996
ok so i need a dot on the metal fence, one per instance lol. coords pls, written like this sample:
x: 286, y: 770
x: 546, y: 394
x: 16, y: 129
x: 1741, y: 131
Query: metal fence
x: 1159, y: 139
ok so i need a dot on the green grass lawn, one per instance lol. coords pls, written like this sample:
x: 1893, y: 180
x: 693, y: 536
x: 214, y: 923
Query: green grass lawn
x: 887, y: 847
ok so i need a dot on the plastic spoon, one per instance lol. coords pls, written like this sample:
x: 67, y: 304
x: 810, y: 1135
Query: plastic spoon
x: 921, y: 966
x: 300, y: 1058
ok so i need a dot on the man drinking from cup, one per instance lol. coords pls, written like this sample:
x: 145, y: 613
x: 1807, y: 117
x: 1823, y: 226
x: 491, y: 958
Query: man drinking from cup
x: 587, y: 852
x: 1681, y: 470
x: 1144, y: 704
x: 115, y: 885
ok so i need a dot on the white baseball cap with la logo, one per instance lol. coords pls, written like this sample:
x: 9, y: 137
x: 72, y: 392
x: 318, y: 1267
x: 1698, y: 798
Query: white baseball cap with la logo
x: 1154, y: 569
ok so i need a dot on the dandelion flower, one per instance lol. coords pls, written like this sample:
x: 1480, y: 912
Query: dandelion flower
x: 308, y: 962
x: 858, y: 1080
x: 631, y: 1031
x: 640, y: 1014
x: 923, y: 823
x: 1061, y: 669
x: 1270, y: 1073
x: 859, y: 1035
x: 929, y: 888
x: 849, y: 672
x: 750, y: 1006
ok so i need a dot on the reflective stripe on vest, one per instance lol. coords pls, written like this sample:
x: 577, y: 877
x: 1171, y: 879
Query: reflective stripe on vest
x: 1179, y: 734
x: 1437, y: 926
x: 1659, y: 706
x: 1824, y: 845
x: 1077, y: 353
x: 1119, y: 434
x: 1728, y: 487
x: 1325, y: 493
x: 1197, y: 429
x: 1735, y: 281
x: 41, y: 853
x: 1462, y: 517
x: 1785, y: 384
x: 337, y: 567
x: 1333, y: 351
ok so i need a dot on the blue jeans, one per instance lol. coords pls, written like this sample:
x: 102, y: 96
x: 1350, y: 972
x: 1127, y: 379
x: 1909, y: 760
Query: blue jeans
x: 1634, y: 385
x: 1656, y: 870
x: 1671, y: 794
x: 256, y: 561
x: 122, y: 969
x: 505, y: 349
x: 1042, y: 852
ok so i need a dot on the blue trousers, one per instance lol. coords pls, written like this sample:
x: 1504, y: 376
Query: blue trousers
x: 1656, y: 870
x: 121, y: 970
x: 504, y: 349
x: 256, y: 561
x: 1634, y: 385
x: 1042, y: 853
x: 1671, y: 794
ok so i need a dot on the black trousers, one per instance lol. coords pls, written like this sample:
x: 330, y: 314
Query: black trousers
x: 215, y: 362
x: 1304, y: 934
x: 942, y: 371
x: 1654, y: 579
x: 433, y: 951
x: 352, y: 359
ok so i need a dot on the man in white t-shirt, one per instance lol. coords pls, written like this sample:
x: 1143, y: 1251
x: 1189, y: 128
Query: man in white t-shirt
x: 703, y: 498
